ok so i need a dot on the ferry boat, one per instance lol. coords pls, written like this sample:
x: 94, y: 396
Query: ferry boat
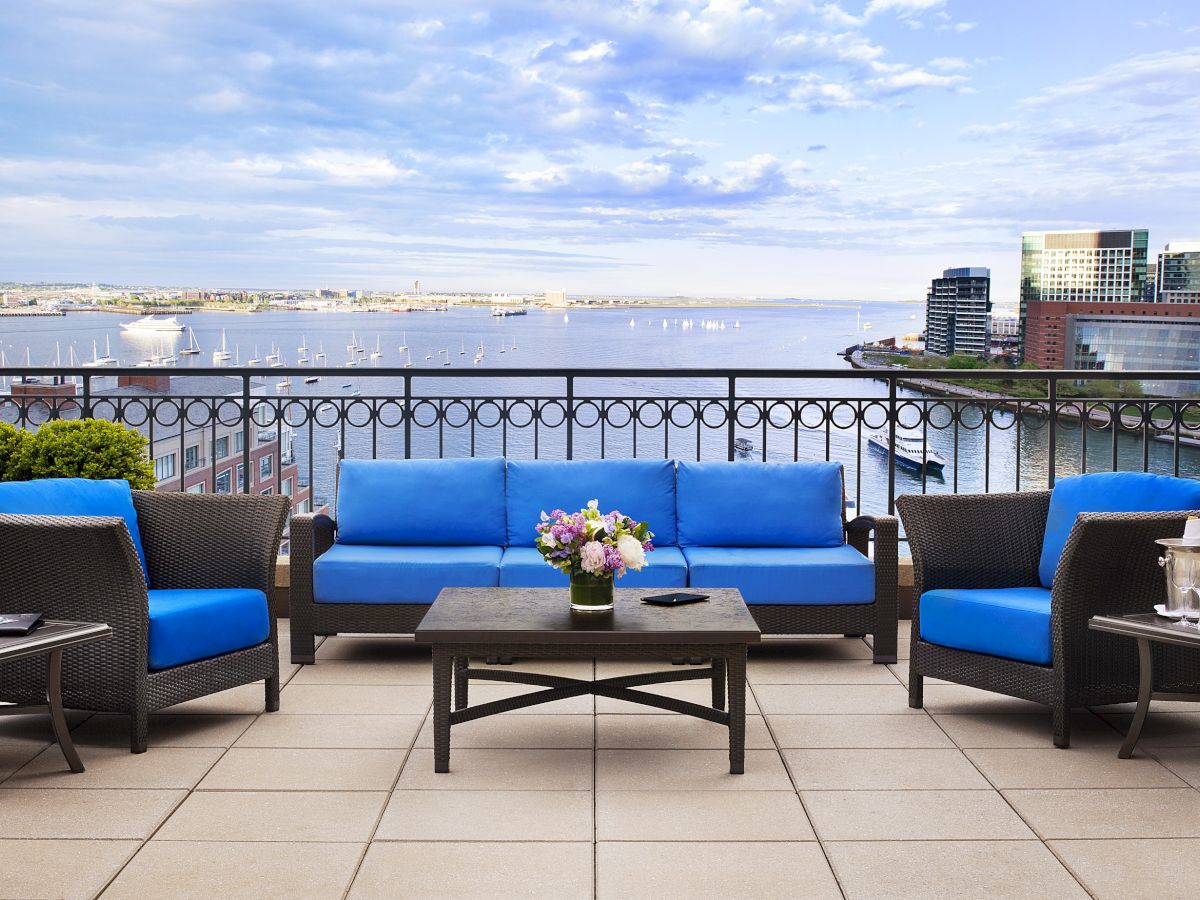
x: 743, y: 446
x: 911, y: 450
x: 502, y: 311
x: 153, y: 323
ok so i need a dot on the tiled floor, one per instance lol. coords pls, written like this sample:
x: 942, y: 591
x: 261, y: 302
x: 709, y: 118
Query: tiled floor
x: 847, y: 793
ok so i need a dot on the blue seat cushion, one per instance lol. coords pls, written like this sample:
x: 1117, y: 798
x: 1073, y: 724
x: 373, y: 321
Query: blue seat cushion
x: 1109, y: 492
x: 351, y: 573
x: 785, y: 575
x: 421, y: 502
x: 187, y: 625
x: 756, y: 504
x: 524, y: 567
x: 1013, y: 623
x: 74, y: 497
x: 643, y: 489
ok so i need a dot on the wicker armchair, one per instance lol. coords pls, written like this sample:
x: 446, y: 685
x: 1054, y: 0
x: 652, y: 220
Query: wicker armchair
x: 1108, y: 567
x: 86, y: 569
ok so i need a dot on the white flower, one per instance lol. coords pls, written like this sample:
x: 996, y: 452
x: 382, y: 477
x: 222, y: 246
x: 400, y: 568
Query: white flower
x: 547, y: 540
x: 594, y: 504
x: 631, y: 552
x: 591, y: 558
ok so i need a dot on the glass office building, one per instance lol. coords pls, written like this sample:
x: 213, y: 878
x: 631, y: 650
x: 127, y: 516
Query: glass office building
x: 1178, y: 276
x: 1129, y: 343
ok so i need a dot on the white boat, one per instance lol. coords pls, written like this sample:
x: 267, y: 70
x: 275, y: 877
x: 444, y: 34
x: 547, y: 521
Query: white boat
x: 193, y: 347
x: 566, y: 318
x: 463, y: 350
x: 254, y: 360
x: 866, y: 326
x: 479, y: 354
x: 911, y: 449
x: 283, y: 384
x: 312, y: 379
x: 377, y: 353
x: 514, y: 346
x: 632, y: 324
x: 97, y: 360
x: 320, y: 350
x: 737, y: 323
x: 223, y: 354
x: 743, y: 446
x: 445, y: 353
x: 408, y: 363
x: 153, y: 323
x: 354, y: 346
x: 664, y: 323
x: 403, y: 348
x: 279, y: 362
x: 501, y: 311
x: 303, y: 348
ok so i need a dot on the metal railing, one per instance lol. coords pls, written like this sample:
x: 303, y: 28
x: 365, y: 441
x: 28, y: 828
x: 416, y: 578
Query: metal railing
x: 990, y: 440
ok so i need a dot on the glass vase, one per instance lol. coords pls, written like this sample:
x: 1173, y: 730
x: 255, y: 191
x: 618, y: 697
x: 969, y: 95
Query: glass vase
x: 591, y: 593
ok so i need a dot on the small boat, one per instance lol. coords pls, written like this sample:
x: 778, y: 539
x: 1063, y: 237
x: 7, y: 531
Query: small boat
x: 463, y: 350
x: 446, y: 353
x: 254, y: 360
x: 632, y: 324
x: 279, y: 362
x: 193, y: 347
x: 106, y: 360
x: 664, y: 323
x: 223, y: 354
x: 743, y: 445
x: 274, y: 354
x: 403, y: 342
x: 283, y: 384
x: 320, y: 354
x: 377, y: 353
x: 566, y: 318
x: 514, y: 346
x: 866, y: 326
x: 479, y: 354
x: 737, y: 323
x: 408, y: 363
x: 913, y: 316
x: 911, y: 450
x: 303, y: 348
x: 351, y: 363
x: 312, y: 379
x: 429, y: 356
x: 153, y: 323
x: 348, y: 384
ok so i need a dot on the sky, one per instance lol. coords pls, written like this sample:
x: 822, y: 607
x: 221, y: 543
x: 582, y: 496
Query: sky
x: 837, y: 150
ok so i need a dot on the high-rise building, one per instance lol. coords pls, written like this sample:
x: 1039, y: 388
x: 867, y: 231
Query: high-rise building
x: 417, y: 287
x: 1178, y: 277
x: 957, y: 313
x: 556, y: 298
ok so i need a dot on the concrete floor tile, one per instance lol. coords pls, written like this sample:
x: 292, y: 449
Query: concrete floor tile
x: 517, y: 731
x: 16, y: 752
x: 833, y: 699
x: 500, y: 770
x: 950, y: 870
x: 481, y: 692
x: 1113, y: 813
x: 384, y: 732
x: 1183, y: 761
x: 116, y: 767
x: 278, y: 769
x: 487, y: 816
x: 713, y: 870
x: 669, y: 732
x: 186, y: 870
x: 693, y: 691
x: 356, y: 699
x: 1134, y: 869
x: 1026, y: 730
x: 334, y: 816
x: 554, y: 871
x: 696, y: 770
x: 36, y: 726
x: 247, y: 699
x: 336, y: 671
x: 803, y: 671
x: 1078, y: 767
x: 912, y: 816
x: 165, y: 730
x: 84, y: 812
x: 958, y: 698
x: 35, y: 868
x: 701, y: 816
x: 851, y: 731
x: 1162, y: 729
x: 882, y: 770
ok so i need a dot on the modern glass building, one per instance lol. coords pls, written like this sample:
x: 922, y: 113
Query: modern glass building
x: 1126, y: 343
x: 958, y: 313
x: 1178, y: 276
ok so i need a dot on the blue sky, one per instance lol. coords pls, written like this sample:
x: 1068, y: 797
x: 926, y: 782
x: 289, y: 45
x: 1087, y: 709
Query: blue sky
x: 815, y: 149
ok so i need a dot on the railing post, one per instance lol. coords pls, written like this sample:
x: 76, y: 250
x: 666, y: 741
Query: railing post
x: 732, y: 425
x: 570, y: 417
x: 246, y: 474
x: 408, y: 411
x: 892, y: 443
x: 1051, y: 429
x: 87, y: 395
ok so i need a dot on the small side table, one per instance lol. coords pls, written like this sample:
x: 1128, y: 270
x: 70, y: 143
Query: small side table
x: 1145, y: 628
x: 51, y: 639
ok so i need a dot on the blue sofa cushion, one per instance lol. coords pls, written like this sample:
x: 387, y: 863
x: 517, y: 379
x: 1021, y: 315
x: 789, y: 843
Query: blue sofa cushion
x: 1010, y: 622
x: 74, y: 497
x: 755, y: 504
x: 187, y: 625
x: 350, y: 573
x: 421, y: 502
x: 643, y: 489
x: 1109, y: 492
x: 524, y: 567
x: 785, y: 575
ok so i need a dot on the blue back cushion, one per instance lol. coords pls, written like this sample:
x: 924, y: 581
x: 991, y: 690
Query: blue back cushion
x: 1109, y: 492
x: 74, y: 497
x: 429, y: 502
x: 756, y: 504
x: 643, y: 489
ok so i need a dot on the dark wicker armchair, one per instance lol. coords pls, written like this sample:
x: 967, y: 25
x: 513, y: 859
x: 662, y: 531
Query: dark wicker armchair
x: 86, y: 569
x: 1108, y: 567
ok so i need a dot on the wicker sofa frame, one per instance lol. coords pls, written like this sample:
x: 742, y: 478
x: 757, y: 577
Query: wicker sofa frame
x: 1108, y: 567
x: 86, y: 569
x: 313, y: 534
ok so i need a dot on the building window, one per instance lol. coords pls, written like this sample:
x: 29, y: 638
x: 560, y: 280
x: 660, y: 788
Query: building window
x: 264, y: 467
x: 164, y: 467
x: 221, y: 447
x: 241, y: 478
x: 197, y: 488
x: 287, y: 487
x: 224, y: 482
x: 191, y: 458
x: 267, y: 492
x: 239, y: 441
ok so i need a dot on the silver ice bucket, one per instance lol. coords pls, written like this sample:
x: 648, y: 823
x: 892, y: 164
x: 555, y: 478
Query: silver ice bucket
x: 1180, y: 563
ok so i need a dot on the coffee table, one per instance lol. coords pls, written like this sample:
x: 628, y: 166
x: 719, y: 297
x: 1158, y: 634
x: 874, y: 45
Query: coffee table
x: 538, y: 623
x: 51, y: 639
x: 1147, y: 628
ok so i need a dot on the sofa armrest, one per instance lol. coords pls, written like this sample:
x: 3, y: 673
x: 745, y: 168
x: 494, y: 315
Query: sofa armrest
x: 312, y: 535
x: 887, y: 540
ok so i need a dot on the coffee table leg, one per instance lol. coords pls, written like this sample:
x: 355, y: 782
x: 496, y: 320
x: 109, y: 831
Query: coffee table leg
x: 443, y: 665
x: 1145, y: 689
x: 737, y: 711
x: 718, y: 684
x: 460, y: 681
x: 57, y: 720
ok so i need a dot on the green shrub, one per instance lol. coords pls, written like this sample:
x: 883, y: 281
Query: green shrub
x: 82, y: 448
x: 11, y: 441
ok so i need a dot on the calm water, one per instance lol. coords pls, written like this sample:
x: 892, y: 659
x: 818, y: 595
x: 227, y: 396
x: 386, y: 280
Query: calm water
x: 779, y: 337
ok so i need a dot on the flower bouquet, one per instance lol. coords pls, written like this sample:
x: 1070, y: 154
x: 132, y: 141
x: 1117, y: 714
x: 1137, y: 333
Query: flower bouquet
x: 594, y: 549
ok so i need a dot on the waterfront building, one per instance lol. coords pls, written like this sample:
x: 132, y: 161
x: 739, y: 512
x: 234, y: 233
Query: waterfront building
x: 957, y: 313
x: 1177, y: 279
x: 556, y: 298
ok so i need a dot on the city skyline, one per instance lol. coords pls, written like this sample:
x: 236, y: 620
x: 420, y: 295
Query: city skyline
x: 727, y: 148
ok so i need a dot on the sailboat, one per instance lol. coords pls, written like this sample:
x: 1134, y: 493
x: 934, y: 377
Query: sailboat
x: 566, y: 318
x: 221, y: 355
x: 377, y: 353
x: 463, y: 351
x: 632, y: 324
x: 479, y: 354
x: 737, y: 323
x: 193, y: 347
x: 403, y: 348
x: 254, y: 360
x: 408, y: 363
x: 514, y: 346
x: 283, y: 383
x: 106, y: 360
x: 446, y: 353
x: 279, y: 361
x: 320, y: 350
x: 354, y: 346
x: 303, y: 348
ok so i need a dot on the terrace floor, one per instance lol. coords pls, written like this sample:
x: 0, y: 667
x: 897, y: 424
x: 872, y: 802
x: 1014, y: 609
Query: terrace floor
x: 847, y: 792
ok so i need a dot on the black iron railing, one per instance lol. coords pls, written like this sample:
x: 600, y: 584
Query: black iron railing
x: 1033, y: 427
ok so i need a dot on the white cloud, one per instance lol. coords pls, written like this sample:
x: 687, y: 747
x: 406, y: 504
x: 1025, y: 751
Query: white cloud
x: 596, y: 52
x: 949, y: 63
x: 223, y: 101
x: 1150, y: 79
x: 353, y: 168
x: 902, y: 7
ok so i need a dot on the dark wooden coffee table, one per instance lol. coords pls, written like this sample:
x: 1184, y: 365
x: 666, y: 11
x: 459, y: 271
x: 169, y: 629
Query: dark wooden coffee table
x: 1147, y: 628
x: 50, y: 640
x: 537, y: 623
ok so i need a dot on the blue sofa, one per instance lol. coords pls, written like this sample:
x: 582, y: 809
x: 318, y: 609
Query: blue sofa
x: 404, y: 529
x: 184, y: 581
x: 1006, y: 584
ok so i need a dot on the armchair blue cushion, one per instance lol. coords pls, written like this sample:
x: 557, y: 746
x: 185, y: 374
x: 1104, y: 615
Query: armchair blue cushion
x: 643, y: 489
x: 754, y: 504
x: 1013, y: 623
x: 524, y: 567
x: 421, y: 502
x: 1109, y: 492
x: 74, y: 497
x: 785, y: 575
x: 353, y: 573
x: 187, y: 625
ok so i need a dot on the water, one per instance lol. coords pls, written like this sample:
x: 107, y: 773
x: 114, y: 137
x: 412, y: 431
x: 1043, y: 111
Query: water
x: 1004, y: 456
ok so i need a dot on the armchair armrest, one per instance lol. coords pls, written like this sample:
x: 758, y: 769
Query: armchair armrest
x: 210, y: 540
x: 887, y: 540
x: 312, y: 535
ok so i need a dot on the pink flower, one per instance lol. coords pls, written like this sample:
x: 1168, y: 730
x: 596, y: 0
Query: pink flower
x: 592, y: 557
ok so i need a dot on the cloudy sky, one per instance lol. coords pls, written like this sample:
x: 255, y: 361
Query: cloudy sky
x: 780, y: 148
